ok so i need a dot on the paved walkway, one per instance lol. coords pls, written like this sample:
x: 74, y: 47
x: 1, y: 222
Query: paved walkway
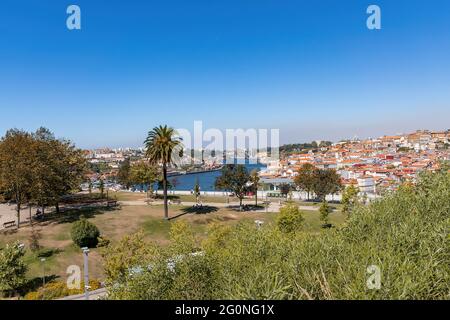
x: 273, y: 207
x: 93, y: 295
x: 9, y: 213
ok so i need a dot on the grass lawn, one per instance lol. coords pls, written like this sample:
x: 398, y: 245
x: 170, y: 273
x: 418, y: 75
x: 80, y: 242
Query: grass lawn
x: 115, y: 223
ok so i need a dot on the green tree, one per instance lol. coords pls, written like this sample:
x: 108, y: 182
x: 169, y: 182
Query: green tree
x: 234, y: 178
x: 285, y: 188
x: 324, y: 211
x: 144, y: 174
x: 16, y: 163
x: 12, y: 267
x: 84, y: 233
x: 349, y: 198
x: 290, y: 218
x: 163, y: 145
x: 304, y: 179
x: 326, y: 181
x: 123, y: 176
x: 254, y: 179
x: 58, y: 168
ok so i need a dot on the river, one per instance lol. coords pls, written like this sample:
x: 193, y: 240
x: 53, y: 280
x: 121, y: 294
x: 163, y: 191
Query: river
x: 206, y: 180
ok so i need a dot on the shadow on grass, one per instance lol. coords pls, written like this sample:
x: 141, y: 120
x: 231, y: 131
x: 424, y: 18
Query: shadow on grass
x: 75, y: 214
x: 246, y: 208
x: 35, y: 283
x: 196, y: 210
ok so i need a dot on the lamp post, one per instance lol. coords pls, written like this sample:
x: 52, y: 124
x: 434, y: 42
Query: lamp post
x: 86, y: 272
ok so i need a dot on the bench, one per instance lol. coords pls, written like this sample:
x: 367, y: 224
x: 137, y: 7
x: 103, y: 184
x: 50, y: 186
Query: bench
x: 9, y: 224
x: 111, y: 203
x: 175, y: 201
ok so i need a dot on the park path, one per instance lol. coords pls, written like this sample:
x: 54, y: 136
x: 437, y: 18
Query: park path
x: 274, y: 206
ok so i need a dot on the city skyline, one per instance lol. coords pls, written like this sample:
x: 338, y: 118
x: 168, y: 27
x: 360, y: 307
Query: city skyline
x: 314, y: 71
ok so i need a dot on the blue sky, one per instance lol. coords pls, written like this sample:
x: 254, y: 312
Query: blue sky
x: 310, y: 68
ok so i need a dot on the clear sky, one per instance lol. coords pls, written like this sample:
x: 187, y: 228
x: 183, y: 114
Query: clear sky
x: 310, y: 68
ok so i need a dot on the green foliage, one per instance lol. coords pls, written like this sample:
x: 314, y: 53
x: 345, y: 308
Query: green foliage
x: 143, y: 173
x: 285, y: 188
x: 123, y: 176
x: 349, y: 198
x: 304, y: 179
x: 84, y: 233
x: 38, y: 167
x: 58, y: 289
x: 405, y: 234
x: 12, y: 267
x: 290, y: 218
x: 324, y: 211
x: 325, y: 181
x: 131, y: 251
x: 234, y: 178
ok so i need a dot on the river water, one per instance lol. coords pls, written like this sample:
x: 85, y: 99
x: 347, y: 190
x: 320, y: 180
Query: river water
x: 206, y: 180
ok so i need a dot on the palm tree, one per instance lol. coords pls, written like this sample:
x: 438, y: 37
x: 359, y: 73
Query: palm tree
x: 161, y: 143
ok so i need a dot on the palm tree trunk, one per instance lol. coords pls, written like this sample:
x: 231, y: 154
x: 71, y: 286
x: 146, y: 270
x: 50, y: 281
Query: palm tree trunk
x: 166, y: 208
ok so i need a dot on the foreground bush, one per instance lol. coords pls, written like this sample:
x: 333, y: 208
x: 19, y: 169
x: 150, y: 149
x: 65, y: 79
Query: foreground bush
x: 405, y: 235
x: 84, y: 233
x: 12, y: 268
x: 58, y: 289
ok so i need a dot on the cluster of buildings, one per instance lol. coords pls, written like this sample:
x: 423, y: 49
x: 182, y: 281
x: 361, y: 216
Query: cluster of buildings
x: 372, y: 165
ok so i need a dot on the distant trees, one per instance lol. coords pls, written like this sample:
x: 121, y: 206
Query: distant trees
x: 320, y: 181
x: 143, y: 173
x: 303, y: 147
x: 234, y: 178
x: 123, y: 176
x: 38, y: 168
x: 326, y: 181
x: 304, y: 179
x: 161, y: 143
x: 285, y: 188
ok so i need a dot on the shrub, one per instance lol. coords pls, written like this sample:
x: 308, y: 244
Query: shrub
x: 324, y: 211
x: 84, y: 233
x: 290, y: 218
x: 59, y: 289
x: 12, y: 267
x: 103, y: 242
